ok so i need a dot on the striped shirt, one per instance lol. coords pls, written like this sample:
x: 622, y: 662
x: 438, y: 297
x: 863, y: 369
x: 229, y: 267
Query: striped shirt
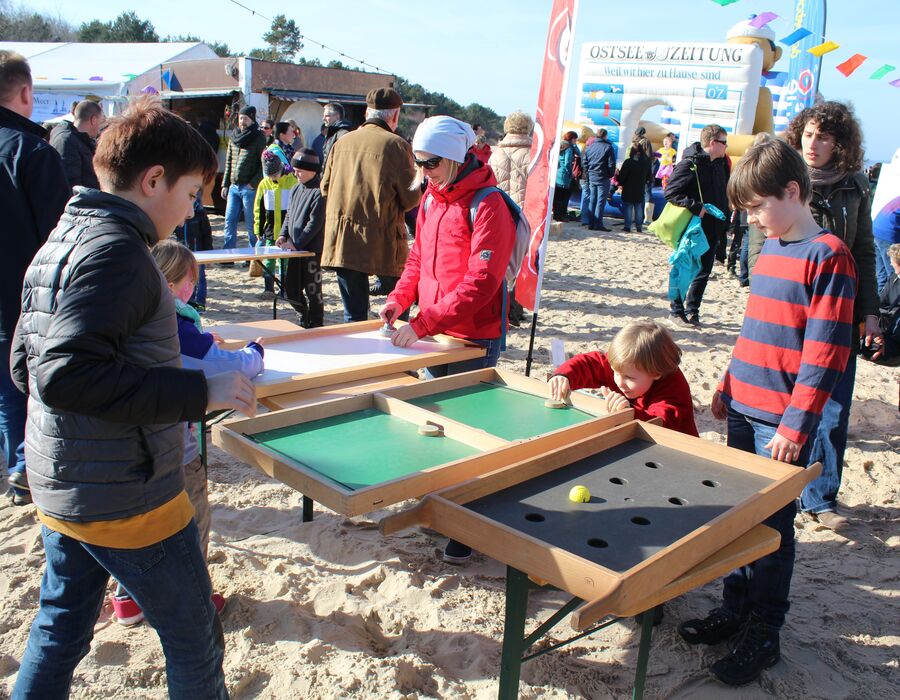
x: 795, y: 340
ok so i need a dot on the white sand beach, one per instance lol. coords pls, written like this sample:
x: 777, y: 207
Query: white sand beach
x: 332, y: 609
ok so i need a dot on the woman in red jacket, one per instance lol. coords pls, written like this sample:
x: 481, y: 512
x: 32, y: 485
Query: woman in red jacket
x: 455, y: 269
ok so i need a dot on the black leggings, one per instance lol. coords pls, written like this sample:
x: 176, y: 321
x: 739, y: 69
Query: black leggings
x: 303, y: 289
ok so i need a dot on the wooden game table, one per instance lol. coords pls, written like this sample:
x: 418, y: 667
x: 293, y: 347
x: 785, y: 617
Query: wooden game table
x: 668, y: 512
x: 298, y: 359
x: 361, y: 453
x: 233, y: 255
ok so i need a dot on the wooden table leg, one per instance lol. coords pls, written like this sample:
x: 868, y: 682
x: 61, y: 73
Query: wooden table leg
x: 513, y: 633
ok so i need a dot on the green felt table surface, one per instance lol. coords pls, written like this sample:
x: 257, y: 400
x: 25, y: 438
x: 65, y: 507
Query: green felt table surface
x: 363, y: 448
x: 499, y: 410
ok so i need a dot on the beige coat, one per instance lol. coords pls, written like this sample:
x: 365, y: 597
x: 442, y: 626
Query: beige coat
x: 509, y: 161
x: 366, y: 189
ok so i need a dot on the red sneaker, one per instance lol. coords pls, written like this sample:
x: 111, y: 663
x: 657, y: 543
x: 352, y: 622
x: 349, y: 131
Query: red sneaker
x: 126, y: 610
x: 218, y: 601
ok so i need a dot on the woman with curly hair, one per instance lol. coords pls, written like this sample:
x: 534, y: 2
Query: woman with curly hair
x: 829, y: 138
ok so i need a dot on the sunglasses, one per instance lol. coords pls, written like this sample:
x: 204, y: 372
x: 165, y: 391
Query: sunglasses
x: 724, y: 143
x: 429, y: 164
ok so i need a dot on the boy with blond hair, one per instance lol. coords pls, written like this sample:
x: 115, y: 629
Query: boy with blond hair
x: 96, y: 349
x: 639, y: 371
x: 793, y: 347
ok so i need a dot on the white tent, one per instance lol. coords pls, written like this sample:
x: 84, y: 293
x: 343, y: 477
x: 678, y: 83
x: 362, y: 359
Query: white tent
x: 64, y: 72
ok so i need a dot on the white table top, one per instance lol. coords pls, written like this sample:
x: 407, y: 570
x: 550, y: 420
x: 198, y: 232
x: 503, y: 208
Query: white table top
x: 206, y: 257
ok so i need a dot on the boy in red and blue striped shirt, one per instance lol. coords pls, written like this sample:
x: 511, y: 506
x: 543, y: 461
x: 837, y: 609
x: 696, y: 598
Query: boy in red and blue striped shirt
x: 793, y: 347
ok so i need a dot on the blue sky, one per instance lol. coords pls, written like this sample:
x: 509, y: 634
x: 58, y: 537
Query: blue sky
x: 490, y: 51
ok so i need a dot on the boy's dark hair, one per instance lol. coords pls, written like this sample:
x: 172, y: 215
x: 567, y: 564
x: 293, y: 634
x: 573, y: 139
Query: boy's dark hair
x: 282, y: 128
x: 14, y: 74
x: 833, y: 118
x: 765, y: 171
x: 147, y: 134
x: 336, y: 107
x: 709, y: 132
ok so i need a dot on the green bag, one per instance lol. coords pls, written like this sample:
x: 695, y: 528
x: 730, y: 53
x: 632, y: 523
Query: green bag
x: 672, y: 222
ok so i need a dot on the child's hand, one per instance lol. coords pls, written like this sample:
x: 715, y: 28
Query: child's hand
x: 216, y: 337
x: 231, y: 390
x: 559, y: 388
x: 404, y: 336
x: 783, y: 450
x: 389, y: 312
x: 614, y: 400
x: 260, y: 341
x: 718, y: 407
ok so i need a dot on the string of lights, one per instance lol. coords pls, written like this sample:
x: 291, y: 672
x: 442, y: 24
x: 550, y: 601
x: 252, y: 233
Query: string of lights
x: 310, y: 40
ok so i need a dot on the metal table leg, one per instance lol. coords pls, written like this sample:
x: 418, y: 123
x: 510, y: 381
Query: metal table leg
x: 640, y: 673
x: 513, y: 633
x: 307, y: 509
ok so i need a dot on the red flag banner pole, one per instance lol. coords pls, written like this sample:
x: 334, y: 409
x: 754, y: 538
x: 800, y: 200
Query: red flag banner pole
x: 545, y: 149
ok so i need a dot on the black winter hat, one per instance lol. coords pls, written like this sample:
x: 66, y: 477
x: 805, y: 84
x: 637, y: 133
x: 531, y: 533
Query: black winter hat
x: 249, y: 111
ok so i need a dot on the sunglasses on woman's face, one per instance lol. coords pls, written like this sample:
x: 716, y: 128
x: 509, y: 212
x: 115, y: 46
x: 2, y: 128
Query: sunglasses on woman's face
x: 429, y: 164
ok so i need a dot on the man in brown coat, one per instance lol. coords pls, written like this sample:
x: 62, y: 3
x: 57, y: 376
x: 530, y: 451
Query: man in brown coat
x: 366, y: 186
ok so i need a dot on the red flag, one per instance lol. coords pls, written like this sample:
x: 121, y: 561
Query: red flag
x: 851, y: 64
x: 545, y: 147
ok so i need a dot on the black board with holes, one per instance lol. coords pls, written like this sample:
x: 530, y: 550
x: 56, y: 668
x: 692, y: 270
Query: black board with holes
x: 644, y: 497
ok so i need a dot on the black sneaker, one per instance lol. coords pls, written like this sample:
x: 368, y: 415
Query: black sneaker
x: 718, y: 626
x: 692, y: 319
x: 755, y: 650
x: 456, y: 553
x: 19, y: 480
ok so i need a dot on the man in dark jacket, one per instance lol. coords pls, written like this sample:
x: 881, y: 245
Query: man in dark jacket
x: 336, y: 127
x: 74, y: 141
x: 243, y: 172
x: 600, y: 165
x: 701, y: 177
x: 33, y: 192
x: 302, y: 230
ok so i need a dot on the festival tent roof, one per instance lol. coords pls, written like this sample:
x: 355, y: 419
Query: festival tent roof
x: 103, y: 69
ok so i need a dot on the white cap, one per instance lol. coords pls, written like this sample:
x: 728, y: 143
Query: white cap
x: 444, y: 136
x: 744, y: 29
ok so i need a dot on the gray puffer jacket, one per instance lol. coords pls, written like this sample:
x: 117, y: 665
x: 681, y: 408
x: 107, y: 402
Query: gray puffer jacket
x: 96, y: 350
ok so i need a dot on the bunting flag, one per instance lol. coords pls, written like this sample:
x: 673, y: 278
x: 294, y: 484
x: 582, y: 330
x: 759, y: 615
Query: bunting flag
x: 881, y: 72
x: 723, y: 3
x: 796, y: 36
x: 823, y: 48
x: 895, y: 83
x: 851, y: 64
x: 762, y: 19
x: 544, y: 157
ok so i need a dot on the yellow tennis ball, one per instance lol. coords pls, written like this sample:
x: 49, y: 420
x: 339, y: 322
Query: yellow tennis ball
x: 579, y: 494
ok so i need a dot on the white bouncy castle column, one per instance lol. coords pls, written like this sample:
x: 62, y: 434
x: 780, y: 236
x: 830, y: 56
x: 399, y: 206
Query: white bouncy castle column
x: 700, y: 83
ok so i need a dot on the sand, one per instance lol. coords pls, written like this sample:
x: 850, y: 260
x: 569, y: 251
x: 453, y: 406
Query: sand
x: 331, y: 609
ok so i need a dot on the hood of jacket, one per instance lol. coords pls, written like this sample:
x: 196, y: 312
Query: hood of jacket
x: 695, y: 151
x: 515, y: 141
x: 102, y: 205
x: 338, y: 126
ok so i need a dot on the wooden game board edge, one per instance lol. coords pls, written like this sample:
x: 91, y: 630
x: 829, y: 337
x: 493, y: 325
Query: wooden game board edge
x: 250, y: 255
x: 453, y: 429
x: 749, y: 547
x: 309, y: 397
x: 298, y: 416
x: 449, y: 383
x: 298, y: 476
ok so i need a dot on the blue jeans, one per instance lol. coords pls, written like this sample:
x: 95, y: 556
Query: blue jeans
x: 354, y: 288
x: 883, y: 267
x: 13, y: 410
x: 585, y: 203
x: 170, y: 583
x: 240, y: 199
x: 492, y: 345
x: 634, y: 212
x: 744, y: 259
x: 830, y: 443
x: 765, y: 585
x: 599, y: 194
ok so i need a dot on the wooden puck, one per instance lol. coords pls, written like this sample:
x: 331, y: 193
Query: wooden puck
x: 554, y: 403
x: 429, y: 430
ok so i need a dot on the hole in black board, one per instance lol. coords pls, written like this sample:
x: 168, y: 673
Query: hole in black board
x: 618, y: 481
x: 598, y: 543
x: 628, y: 499
x: 709, y: 482
x: 534, y: 517
x: 677, y: 501
x: 640, y: 520
x: 652, y: 465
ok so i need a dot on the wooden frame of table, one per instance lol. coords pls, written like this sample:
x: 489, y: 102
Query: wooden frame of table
x: 237, y: 438
x: 441, y: 349
x: 610, y: 592
x: 233, y: 255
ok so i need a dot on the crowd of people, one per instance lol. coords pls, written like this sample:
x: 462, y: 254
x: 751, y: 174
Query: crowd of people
x: 110, y: 367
